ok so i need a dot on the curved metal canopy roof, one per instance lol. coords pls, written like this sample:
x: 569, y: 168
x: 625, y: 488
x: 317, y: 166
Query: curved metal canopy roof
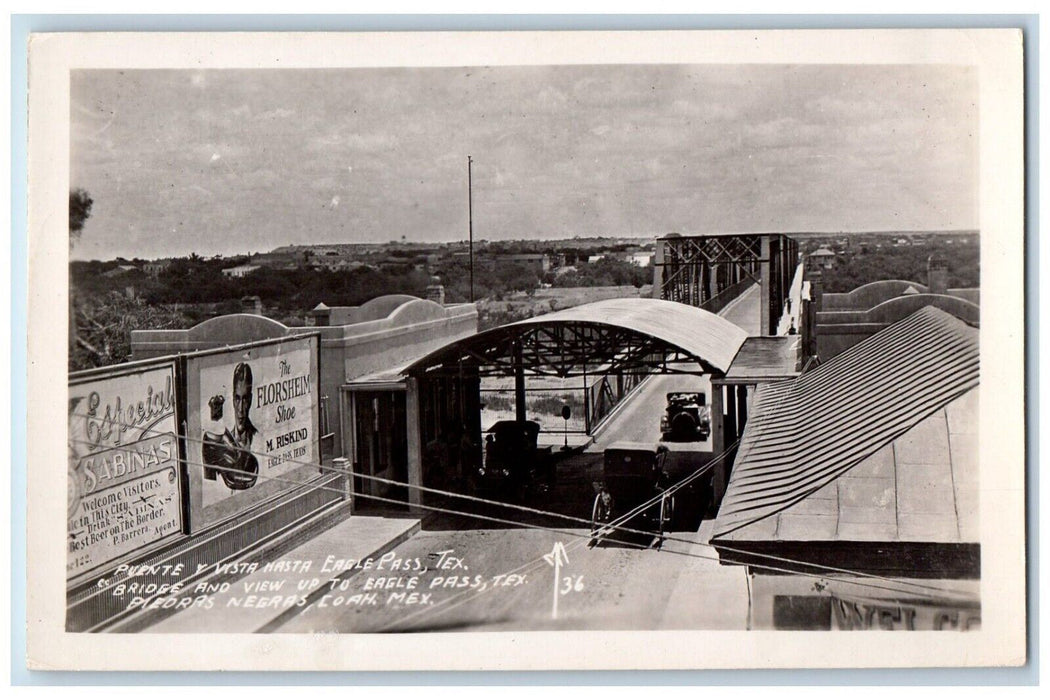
x: 618, y: 334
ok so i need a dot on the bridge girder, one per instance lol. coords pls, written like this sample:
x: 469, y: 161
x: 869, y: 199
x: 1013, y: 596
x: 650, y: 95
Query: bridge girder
x: 709, y: 271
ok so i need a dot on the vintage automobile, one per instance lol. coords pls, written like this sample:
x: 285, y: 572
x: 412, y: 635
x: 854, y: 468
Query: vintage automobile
x: 513, y: 466
x: 634, y: 479
x: 687, y: 417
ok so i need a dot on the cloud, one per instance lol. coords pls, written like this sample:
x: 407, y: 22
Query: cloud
x: 278, y: 113
x: 228, y: 119
x: 640, y: 148
x: 551, y: 98
x: 348, y: 140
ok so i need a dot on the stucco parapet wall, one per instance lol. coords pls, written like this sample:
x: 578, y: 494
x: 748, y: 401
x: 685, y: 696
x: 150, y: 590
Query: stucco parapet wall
x: 411, y: 315
x: 391, y: 327
x: 372, y: 310
x: 869, y: 295
x: 218, y: 332
x: 407, y: 314
x: 898, y: 308
x: 970, y: 294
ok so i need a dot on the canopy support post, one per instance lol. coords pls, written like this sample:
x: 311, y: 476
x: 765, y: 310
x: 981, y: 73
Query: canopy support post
x: 519, y: 384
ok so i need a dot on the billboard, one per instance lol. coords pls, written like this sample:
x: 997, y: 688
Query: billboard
x: 123, y: 481
x: 252, y: 425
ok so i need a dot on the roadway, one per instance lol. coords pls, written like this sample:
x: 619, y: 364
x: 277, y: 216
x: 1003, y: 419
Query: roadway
x: 492, y: 580
x: 638, y: 418
x: 746, y: 311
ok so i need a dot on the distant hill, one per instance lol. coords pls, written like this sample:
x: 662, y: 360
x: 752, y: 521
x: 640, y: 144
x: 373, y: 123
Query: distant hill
x: 532, y: 245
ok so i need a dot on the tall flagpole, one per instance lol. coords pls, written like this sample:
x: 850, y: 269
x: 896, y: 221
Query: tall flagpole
x: 470, y: 224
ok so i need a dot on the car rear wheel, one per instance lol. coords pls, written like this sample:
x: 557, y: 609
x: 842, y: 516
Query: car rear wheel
x: 601, y: 513
x: 666, y: 512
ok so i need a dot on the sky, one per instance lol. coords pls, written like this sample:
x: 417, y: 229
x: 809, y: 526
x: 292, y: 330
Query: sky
x: 238, y: 161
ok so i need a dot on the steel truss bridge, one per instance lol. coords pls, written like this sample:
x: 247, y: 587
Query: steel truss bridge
x: 710, y: 271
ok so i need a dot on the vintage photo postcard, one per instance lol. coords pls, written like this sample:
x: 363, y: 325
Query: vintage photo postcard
x: 574, y: 350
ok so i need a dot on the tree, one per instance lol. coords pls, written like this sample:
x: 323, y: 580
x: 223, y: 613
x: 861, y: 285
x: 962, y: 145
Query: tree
x: 79, y: 210
x: 104, y: 323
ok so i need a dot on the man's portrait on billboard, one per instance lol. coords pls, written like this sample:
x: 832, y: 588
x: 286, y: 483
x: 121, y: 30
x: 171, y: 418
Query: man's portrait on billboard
x: 228, y: 454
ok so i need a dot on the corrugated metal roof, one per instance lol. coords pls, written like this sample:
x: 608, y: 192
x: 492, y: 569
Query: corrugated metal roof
x: 804, y: 433
x: 692, y: 329
x: 393, y: 375
x: 922, y: 487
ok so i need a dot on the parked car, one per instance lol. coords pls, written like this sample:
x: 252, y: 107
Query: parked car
x: 513, y: 465
x: 687, y: 417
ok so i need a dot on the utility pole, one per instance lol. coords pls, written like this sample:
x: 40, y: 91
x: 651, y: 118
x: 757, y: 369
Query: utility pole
x: 470, y: 225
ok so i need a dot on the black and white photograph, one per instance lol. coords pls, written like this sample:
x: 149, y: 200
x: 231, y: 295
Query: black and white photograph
x: 585, y: 351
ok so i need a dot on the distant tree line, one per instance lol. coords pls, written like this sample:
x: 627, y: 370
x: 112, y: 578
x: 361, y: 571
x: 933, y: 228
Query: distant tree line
x: 491, y: 280
x: 866, y: 263
x: 197, y: 280
x: 606, y: 272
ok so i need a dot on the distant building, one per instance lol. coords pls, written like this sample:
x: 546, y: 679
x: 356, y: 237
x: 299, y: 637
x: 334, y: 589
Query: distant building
x: 287, y: 260
x: 823, y: 257
x: 641, y: 258
x: 120, y: 270
x: 240, y: 270
x: 341, y: 265
x: 156, y: 267
x: 537, y: 262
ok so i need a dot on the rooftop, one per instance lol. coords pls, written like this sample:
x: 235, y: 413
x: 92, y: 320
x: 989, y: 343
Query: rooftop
x: 895, y: 415
x: 922, y: 487
x: 765, y: 358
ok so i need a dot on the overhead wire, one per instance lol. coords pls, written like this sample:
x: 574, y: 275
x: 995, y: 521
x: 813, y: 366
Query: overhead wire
x: 641, y: 507
x: 720, y: 559
x: 583, y: 537
x: 616, y: 526
x: 580, y: 537
x: 470, y: 497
